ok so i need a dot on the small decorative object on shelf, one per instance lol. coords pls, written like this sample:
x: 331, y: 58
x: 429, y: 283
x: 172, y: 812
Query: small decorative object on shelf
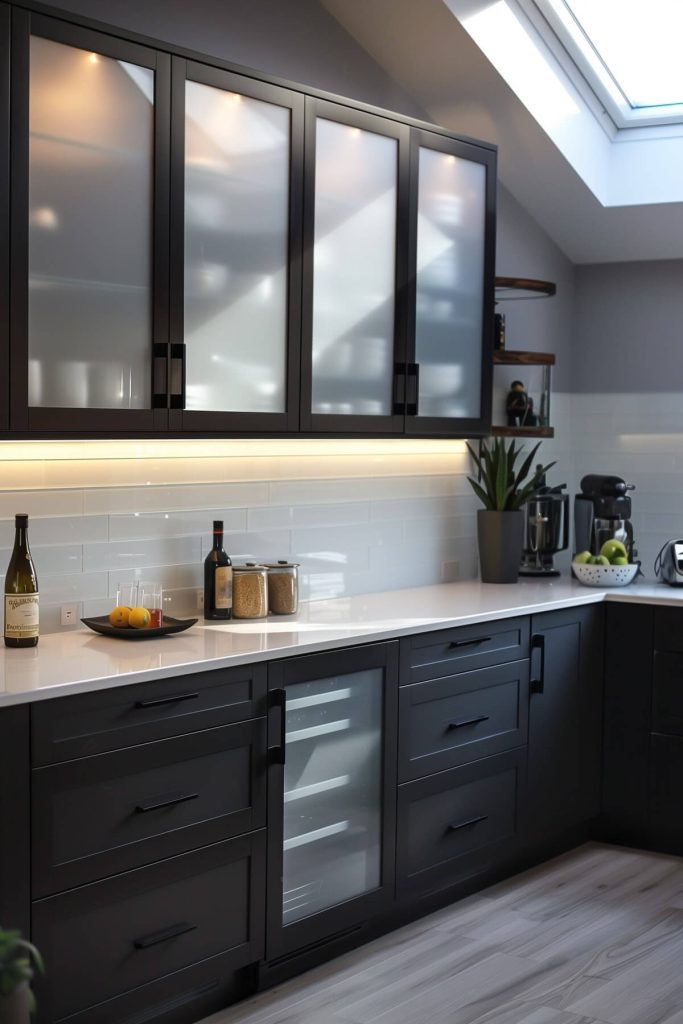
x: 499, y: 332
x: 18, y: 958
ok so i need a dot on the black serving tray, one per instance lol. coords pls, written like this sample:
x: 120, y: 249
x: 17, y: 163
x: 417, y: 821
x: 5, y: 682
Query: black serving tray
x: 101, y: 624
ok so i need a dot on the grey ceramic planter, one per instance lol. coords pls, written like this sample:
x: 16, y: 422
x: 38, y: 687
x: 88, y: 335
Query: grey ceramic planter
x: 501, y: 540
x: 14, y: 1009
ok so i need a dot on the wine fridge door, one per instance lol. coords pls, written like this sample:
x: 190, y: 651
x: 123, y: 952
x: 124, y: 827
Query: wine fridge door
x: 332, y: 820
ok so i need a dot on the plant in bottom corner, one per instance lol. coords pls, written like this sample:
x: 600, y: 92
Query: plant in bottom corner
x: 18, y: 960
x: 499, y: 486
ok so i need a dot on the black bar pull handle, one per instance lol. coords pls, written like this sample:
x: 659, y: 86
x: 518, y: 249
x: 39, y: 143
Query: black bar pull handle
x: 171, y: 801
x: 412, y: 388
x: 459, y: 723
x: 537, y: 682
x: 278, y: 699
x: 160, y: 375
x: 467, y: 824
x: 159, y: 701
x: 399, y: 401
x: 171, y: 932
x: 178, y: 379
x: 469, y: 643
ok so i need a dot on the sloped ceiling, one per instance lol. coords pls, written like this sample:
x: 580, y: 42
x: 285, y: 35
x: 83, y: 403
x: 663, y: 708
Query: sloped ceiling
x: 425, y: 49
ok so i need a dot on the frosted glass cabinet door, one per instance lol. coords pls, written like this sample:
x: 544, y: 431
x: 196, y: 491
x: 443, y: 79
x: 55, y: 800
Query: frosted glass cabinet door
x: 453, y: 228
x: 240, y: 194
x: 86, y: 173
x: 353, y: 252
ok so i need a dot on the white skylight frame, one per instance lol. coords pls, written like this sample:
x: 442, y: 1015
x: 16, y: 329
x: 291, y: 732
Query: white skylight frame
x: 562, y: 25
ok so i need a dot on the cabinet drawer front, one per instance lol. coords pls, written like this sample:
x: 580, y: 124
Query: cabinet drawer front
x: 432, y: 655
x: 461, y: 718
x: 667, y: 693
x: 454, y: 823
x: 101, y: 815
x: 72, y: 727
x: 668, y: 629
x: 142, y: 925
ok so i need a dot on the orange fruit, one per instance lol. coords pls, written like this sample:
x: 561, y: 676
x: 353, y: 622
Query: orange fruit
x: 120, y: 615
x: 139, y: 618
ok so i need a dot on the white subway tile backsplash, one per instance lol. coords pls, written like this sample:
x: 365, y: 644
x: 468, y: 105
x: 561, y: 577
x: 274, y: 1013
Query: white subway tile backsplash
x: 133, y: 554
x: 39, y: 503
x: 169, y: 498
x: 151, y: 525
x: 308, y: 515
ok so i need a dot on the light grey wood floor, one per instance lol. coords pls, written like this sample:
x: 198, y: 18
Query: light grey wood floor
x: 593, y: 936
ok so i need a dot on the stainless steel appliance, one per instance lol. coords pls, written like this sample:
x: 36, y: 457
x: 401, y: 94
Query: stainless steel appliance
x: 546, y: 530
x: 669, y: 563
x: 602, y: 511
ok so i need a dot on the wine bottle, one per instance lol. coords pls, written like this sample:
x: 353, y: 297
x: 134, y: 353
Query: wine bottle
x: 21, y: 591
x: 217, y: 578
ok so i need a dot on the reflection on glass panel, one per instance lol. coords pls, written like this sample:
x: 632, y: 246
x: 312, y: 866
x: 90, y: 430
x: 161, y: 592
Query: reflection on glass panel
x: 333, y: 792
x: 236, y: 256
x: 90, y: 225
x: 354, y: 270
x: 450, y: 282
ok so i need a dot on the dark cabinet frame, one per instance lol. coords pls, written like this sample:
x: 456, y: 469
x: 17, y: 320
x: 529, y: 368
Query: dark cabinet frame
x: 43, y: 421
x: 194, y: 421
x: 420, y: 426
x: 281, y: 941
x: 393, y: 423
x: 166, y: 416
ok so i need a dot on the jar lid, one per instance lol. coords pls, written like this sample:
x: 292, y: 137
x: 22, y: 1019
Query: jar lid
x: 281, y: 565
x: 249, y: 567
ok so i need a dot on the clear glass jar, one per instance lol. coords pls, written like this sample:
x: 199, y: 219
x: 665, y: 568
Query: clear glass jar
x: 249, y: 591
x: 283, y: 587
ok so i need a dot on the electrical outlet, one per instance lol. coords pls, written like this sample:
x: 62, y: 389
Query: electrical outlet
x: 200, y: 600
x: 69, y: 614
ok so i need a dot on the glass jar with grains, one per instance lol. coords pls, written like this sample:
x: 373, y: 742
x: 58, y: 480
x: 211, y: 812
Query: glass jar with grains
x: 249, y: 591
x: 283, y: 587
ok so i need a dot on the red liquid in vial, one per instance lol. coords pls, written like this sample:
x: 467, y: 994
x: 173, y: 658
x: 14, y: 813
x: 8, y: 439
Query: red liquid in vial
x: 155, y: 617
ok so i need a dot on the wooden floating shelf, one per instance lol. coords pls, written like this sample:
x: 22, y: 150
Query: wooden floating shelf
x: 523, y: 288
x: 507, y: 357
x: 522, y: 432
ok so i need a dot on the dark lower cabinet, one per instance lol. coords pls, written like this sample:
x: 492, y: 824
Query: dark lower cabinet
x: 14, y: 818
x: 565, y: 714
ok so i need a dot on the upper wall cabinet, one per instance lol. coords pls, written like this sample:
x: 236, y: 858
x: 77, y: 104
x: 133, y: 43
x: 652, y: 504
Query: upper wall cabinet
x: 190, y: 249
x: 236, y: 251
x: 89, y: 230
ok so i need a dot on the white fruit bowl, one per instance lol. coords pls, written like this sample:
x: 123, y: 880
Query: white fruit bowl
x: 605, y: 575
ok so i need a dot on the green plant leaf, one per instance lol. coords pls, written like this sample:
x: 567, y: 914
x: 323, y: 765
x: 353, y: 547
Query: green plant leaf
x: 481, y: 493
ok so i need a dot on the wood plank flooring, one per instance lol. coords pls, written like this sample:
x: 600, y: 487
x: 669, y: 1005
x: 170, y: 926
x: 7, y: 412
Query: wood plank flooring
x: 592, y: 937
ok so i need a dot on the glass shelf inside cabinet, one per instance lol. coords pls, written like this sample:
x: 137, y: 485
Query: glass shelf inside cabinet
x: 521, y: 394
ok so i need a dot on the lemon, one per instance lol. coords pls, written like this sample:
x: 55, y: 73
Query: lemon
x: 139, y: 618
x: 119, y: 616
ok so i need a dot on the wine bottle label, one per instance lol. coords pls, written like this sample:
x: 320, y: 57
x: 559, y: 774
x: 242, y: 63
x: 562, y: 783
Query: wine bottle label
x: 223, y: 586
x: 21, y: 615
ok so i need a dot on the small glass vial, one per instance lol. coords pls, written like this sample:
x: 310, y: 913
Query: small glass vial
x: 249, y: 591
x: 283, y: 587
x: 499, y: 332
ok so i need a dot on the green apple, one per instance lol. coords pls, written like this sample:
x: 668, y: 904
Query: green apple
x: 619, y: 560
x: 599, y: 560
x: 613, y: 549
x: 583, y: 558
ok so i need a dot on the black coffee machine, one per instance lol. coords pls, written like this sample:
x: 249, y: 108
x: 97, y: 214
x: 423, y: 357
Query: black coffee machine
x: 602, y: 511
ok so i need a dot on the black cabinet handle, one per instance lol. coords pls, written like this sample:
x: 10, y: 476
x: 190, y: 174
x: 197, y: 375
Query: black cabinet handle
x: 159, y: 701
x: 177, y: 396
x: 459, y: 723
x: 467, y: 824
x: 163, y: 936
x: 399, y: 401
x: 537, y: 682
x: 468, y: 643
x: 412, y: 388
x: 170, y: 802
x: 160, y: 375
x: 278, y: 699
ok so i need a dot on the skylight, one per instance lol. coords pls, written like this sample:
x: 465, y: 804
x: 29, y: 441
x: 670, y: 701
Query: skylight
x: 629, y: 50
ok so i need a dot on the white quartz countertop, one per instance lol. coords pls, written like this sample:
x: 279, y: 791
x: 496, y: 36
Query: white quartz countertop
x: 80, y: 661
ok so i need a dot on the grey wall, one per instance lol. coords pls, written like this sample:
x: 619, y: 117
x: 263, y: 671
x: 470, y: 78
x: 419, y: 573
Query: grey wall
x: 629, y: 327
x: 294, y: 39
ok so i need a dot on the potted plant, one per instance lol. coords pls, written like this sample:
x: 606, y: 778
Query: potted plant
x: 503, y: 491
x: 17, y: 961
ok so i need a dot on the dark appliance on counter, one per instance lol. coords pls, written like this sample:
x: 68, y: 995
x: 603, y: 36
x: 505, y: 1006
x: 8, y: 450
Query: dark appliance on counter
x: 602, y: 511
x: 546, y: 529
x: 669, y: 563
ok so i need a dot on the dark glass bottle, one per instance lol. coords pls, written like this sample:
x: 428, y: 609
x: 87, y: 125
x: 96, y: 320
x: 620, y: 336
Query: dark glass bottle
x: 217, y: 578
x: 21, y: 591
